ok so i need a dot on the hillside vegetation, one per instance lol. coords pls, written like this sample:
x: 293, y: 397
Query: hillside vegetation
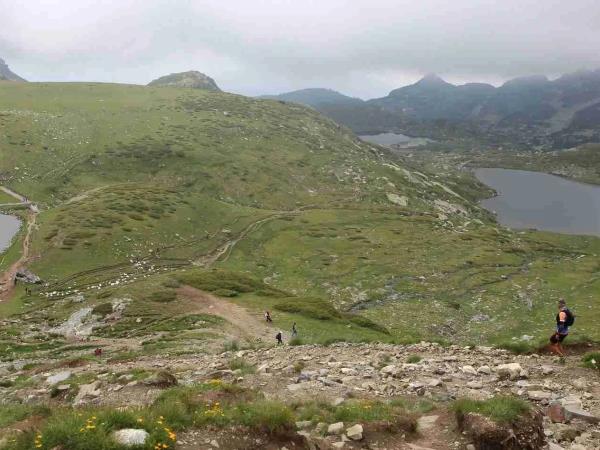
x: 145, y: 190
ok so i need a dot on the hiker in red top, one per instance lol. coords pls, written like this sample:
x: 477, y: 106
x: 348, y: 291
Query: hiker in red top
x: 564, y: 319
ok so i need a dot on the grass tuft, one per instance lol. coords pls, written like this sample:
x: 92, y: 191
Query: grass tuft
x: 592, y: 360
x: 502, y: 409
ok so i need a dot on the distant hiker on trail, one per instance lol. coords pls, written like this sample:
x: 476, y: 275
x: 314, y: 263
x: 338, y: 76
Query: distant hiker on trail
x: 268, y: 317
x: 279, y: 338
x: 294, y: 330
x: 564, y: 319
x: 98, y: 352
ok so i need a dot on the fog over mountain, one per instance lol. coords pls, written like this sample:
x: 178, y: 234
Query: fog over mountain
x: 362, y: 48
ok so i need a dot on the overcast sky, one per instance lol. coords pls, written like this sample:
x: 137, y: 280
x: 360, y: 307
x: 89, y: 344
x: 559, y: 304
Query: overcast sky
x: 360, y: 47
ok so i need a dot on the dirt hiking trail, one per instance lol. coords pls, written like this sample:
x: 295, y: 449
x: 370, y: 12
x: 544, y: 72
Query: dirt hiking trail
x: 7, y: 285
x: 245, y: 325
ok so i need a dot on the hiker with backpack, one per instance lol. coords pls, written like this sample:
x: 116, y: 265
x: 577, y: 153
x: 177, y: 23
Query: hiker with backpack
x: 279, y: 337
x: 564, y: 319
x: 268, y: 317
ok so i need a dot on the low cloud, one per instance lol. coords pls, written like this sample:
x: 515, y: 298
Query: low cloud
x: 364, y: 48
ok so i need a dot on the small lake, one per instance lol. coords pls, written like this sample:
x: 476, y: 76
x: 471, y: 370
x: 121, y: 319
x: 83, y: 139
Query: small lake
x: 9, y: 226
x: 542, y: 201
x: 396, y: 139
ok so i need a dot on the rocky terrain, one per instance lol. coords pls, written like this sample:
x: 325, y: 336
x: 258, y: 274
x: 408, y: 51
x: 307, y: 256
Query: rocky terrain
x: 427, y: 378
x: 192, y: 79
x: 7, y: 74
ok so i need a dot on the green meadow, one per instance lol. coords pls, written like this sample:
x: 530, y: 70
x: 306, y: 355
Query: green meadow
x: 142, y: 190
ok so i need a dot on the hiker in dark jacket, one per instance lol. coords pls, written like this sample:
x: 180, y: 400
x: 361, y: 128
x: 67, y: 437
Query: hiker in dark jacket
x: 279, y: 338
x: 564, y: 319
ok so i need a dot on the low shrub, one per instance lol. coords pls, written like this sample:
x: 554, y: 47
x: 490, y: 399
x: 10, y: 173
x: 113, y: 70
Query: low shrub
x: 164, y: 296
x: 314, y: 308
x: 242, y: 365
x: 231, y: 346
x: 266, y: 416
x: 225, y: 281
x: 103, y: 309
x: 592, y: 360
x: 365, y: 322
x: 295, y: 341
x: 504, y: 409
x: 413, y: 359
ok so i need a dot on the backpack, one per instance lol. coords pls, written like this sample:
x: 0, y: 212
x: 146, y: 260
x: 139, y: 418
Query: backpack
x: 570, y: 318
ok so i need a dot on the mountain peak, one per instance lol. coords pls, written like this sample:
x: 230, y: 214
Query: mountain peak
x: 7, y: 74
x: 191, y: 79
x: 432, y: 79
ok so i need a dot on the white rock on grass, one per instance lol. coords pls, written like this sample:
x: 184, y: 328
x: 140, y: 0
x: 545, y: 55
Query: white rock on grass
x: 58, y: 378
x: 355, y: 432
x: 511, y: 371
x: 336, y: 428
x: 130, y: 437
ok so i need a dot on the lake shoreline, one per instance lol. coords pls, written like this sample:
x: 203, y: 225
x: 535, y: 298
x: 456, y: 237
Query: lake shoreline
x: 532, y: 200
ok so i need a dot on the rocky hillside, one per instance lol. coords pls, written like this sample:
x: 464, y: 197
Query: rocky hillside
x: 416, y: 397
x: 7, y: 74
x: 192, y: 79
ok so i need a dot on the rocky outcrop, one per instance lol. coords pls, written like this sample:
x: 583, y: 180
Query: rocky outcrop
x: 192, y: 79
x: 27, y: 276
x: 8, y: 75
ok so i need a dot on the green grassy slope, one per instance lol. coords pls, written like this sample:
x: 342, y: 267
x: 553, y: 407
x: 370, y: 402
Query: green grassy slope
x: 136, y: 184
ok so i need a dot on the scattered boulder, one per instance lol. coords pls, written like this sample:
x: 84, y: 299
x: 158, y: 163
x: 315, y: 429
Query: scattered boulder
x: 469, y: 370
x: 556, y: 413
x: 573, y: 412
x: 512, y: 371
x: 303, y: 424
x: 355, y: 432
x: 58, y: 378
x: 27, y: 276
x: 87, y: 392
x: 426, y: 422
x: 397, y: 199
x: 539, y: 395
x: 336, y: 428
x: 130, y: 437
x: 161, y: 379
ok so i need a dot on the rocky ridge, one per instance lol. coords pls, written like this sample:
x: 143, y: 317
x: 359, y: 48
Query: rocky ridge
x: 192, y: 79
x: 7, y: 74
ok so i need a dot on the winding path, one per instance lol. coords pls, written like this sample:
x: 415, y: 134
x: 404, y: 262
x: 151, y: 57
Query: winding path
x: 7, y: 278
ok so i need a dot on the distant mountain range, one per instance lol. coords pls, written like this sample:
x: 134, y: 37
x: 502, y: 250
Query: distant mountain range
x: 524, y: 111
x: 7, y: 74
x: 192, y: 79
